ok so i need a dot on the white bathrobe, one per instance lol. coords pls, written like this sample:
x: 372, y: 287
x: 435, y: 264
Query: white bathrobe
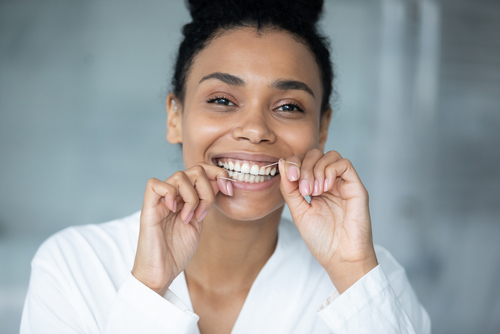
x: 81, y: 282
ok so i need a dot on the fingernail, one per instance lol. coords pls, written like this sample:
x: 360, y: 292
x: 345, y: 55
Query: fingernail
x: 189, y: 218
x: 203, y: 215
x: 325, y: 186
x: 293, y: 173
x: 222, y: 185
x: 229, y: 186
x: 175, y: 205
x: 304, y: 188
x: 316, y: 188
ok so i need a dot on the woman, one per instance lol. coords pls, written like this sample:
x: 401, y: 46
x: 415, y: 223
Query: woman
x: 250, y: 106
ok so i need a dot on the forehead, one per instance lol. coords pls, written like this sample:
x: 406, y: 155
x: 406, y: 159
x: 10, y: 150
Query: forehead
x: 258, y: 58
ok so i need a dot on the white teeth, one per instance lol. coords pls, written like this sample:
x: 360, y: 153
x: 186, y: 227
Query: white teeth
x: 248, y: 177
x: 244, y: 171
x: 254, y: 170
x: 245, y: 168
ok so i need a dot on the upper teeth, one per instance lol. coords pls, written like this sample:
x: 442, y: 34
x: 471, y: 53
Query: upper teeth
x: 244, y: 167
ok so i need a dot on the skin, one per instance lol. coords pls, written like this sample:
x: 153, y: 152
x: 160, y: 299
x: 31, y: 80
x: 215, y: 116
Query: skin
x: 239, y: 226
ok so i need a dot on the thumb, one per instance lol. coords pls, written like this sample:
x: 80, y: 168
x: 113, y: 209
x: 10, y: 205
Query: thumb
x: 290, y: 189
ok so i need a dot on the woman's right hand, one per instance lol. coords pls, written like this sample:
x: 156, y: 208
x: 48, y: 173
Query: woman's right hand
x: 171, y: 222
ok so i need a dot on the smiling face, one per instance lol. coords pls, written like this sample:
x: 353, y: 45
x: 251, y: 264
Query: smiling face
x: 250, y: 98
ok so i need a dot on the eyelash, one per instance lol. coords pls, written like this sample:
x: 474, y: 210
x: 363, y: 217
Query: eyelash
x: 296, y: 106
x: 214, y: 100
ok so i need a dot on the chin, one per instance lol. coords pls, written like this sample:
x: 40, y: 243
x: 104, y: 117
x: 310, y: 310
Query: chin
x: 245, y: 211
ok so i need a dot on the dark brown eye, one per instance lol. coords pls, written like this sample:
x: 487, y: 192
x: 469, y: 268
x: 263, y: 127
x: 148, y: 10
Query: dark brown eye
x: 290, y: 107
x: 221, y: 100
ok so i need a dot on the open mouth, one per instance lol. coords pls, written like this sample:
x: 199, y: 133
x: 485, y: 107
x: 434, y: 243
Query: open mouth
x: 248, y: 171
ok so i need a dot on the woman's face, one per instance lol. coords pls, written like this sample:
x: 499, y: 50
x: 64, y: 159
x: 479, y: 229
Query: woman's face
x: 252, y: 99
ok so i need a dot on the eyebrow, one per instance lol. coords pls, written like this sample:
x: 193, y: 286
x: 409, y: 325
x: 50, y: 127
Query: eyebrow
x: 292, y: 85
x: 225, y: 77
x: 281, y: 84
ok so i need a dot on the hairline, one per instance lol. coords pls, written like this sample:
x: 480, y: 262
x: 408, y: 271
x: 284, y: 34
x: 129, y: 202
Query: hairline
x: 260, y: 30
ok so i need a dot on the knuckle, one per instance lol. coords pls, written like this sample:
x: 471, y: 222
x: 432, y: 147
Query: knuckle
x: 316, y: 151
x: 171, y: 190
x: 179, y: 175
x: 318, y: 172
x: 151, y: 182
x: 176, y: 175
x: 333, y: 154
x: 198, y: 170
x: 347, y: 162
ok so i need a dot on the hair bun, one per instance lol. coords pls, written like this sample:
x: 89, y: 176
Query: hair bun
x: 312, y: 8
x: 208, y: 10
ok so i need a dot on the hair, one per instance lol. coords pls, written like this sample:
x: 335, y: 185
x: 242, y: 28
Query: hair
x: 211, y: 18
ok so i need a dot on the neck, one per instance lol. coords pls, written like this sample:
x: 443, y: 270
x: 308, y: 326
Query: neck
x: 231, y: 253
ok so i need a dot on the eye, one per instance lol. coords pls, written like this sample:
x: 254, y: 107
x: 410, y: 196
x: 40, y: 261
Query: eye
x: 221, y: 100
x: 291, y: 107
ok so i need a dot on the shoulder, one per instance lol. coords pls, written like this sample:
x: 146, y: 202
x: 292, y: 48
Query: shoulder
x: 87, y: 245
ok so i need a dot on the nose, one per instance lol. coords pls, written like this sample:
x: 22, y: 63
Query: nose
x: 255, y: 128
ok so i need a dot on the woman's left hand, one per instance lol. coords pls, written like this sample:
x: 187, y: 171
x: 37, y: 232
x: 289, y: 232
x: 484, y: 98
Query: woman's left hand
x: 335, y: 225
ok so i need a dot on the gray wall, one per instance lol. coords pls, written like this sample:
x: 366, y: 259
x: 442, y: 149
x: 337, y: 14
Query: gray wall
x: 82, y: 128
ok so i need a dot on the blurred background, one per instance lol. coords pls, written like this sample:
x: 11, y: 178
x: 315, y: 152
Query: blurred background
x: 82, y: 129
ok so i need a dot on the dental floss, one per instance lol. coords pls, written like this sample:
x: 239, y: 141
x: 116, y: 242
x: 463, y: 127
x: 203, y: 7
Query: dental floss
x: 288, y: 162
x: 225, y: 178
x: 270, y: 165
x: 293, y: 163
x: 222, y: 177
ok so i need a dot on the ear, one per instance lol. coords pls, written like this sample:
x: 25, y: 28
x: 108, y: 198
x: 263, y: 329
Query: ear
x: 174, y: 119
x: 324, y: 123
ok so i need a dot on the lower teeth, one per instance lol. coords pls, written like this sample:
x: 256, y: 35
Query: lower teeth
x: 249, y: 178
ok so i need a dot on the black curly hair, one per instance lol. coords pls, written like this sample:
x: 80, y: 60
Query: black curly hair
x: 213, y: 17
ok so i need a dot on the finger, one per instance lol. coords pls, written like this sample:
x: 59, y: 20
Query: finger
x: 218, y: 179
x: 319, y: 171
x: 157, y: 190
x: 292, y: 168
x: 187, y: 193
x: 290, y: 189
x: 206, y: 195
x: 307, y: 182
x: 343, y: 170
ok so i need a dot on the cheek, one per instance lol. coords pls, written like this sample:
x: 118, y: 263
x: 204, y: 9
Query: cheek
x: 301, y: 139
x: 198, y: 133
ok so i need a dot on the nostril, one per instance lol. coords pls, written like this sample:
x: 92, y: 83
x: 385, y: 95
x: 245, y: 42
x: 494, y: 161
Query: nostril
x: 254, y: 132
